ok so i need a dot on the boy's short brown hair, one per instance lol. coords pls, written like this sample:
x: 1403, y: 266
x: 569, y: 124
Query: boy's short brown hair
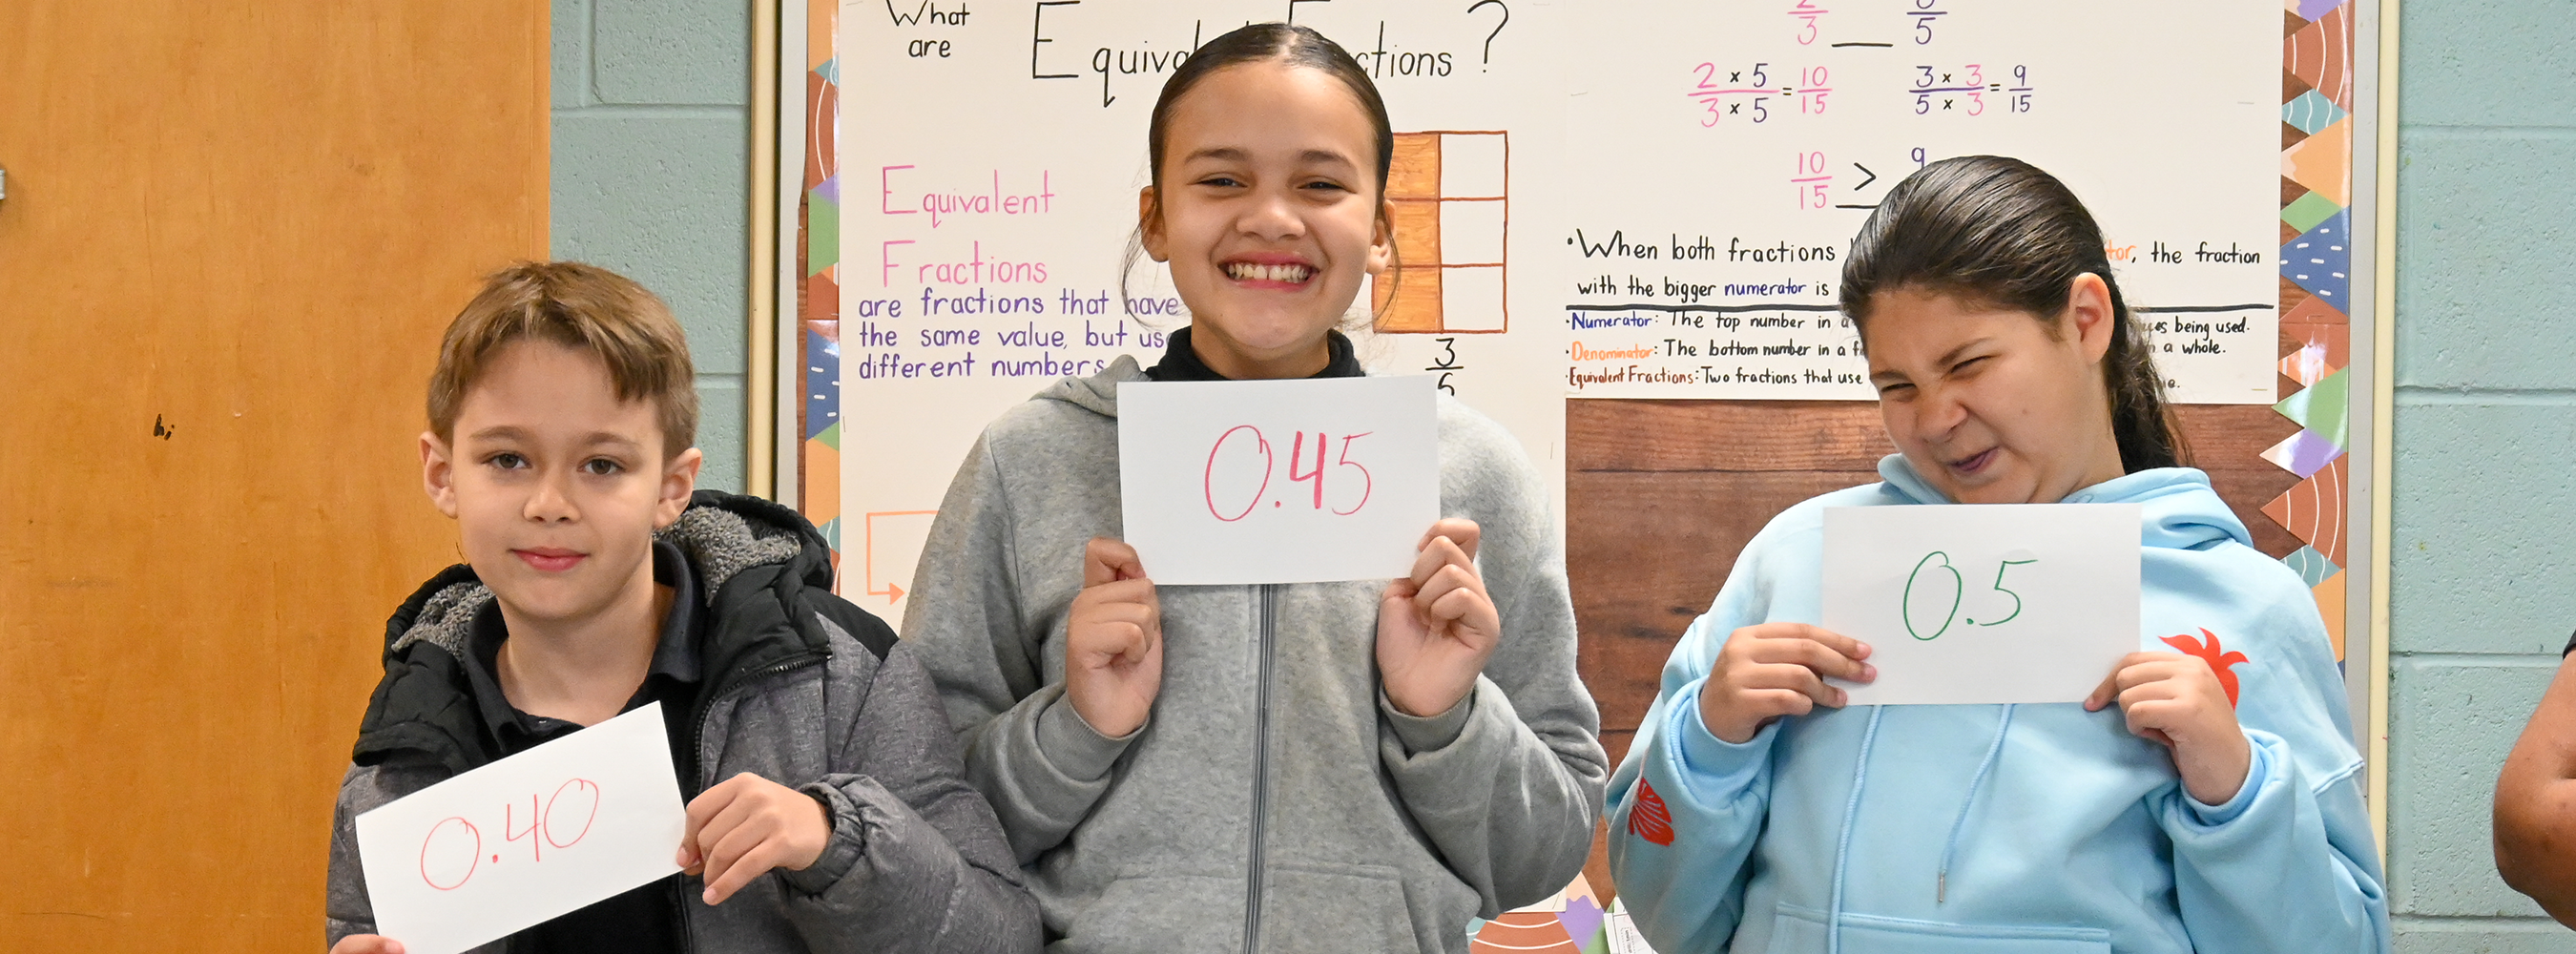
x: 577, y: 306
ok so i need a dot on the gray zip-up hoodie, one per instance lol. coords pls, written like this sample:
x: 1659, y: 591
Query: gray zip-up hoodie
x: 1274, y: 801
x: 801, y: 688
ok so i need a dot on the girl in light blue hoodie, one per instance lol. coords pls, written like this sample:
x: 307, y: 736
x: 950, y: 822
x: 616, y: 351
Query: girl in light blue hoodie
x: 2206, y: 798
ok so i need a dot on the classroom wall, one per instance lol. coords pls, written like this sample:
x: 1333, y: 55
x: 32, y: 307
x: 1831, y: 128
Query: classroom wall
x: 651, y: 177
x: 2486, y: 419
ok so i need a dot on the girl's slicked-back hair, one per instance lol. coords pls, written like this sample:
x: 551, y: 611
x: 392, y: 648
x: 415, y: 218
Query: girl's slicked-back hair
x: 2000, y: 232
x: 1256, y: 43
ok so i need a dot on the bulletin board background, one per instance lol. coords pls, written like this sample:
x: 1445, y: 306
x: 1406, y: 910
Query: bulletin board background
x: 1659, y: 495
x: 2291, y: 470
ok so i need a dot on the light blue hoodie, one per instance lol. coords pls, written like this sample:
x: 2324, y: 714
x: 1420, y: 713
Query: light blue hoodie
x: 2032, y: 829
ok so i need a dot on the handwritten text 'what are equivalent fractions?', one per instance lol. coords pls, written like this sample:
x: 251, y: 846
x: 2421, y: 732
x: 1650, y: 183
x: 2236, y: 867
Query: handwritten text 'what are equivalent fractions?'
x: 526, y: 838
x: 1297, y: 481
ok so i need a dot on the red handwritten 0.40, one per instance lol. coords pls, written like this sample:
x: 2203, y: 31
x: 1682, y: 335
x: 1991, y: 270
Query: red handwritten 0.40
x: 1231, y: 460
x: 560, y: 820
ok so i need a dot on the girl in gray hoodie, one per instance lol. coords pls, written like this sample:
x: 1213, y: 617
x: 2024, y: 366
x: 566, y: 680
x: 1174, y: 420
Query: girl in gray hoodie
x: 1290, y: 767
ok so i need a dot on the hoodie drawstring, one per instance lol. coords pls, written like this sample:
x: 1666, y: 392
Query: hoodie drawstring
x: 1941, y: 883
x: 1842, y: 850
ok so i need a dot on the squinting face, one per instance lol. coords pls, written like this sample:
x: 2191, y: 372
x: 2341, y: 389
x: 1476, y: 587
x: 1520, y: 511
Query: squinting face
x: 1986, y: 403
x: 555, y: 485
x: 1269, y: 214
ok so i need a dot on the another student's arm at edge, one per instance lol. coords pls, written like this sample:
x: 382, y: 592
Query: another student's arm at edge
x: 346, y: 909
x: 916, y: 861
x: 2535, y: 804
x: 1686, y: 892
x: 2289, y: 863
x: 1035, y: 760
x: 1507, y: 783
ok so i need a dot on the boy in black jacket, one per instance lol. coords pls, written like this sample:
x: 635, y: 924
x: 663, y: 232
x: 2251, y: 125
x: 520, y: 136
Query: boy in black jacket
x: 827, y: 809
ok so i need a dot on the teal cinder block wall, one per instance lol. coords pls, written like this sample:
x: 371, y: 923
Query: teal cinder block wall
x: 651, y: 177
x: 2486, y: 447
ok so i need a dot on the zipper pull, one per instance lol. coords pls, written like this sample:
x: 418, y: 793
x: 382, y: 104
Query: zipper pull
x: 1941, y: 888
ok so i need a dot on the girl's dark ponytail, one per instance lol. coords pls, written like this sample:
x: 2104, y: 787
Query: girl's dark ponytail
x: 1999, y: 231
x: 2142, y: 421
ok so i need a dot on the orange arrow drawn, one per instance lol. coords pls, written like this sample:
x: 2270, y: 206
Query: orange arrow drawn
x: 891, y: 592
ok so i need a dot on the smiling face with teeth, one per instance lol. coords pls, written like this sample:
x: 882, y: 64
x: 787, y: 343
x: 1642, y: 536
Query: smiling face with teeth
x: 1269, y: 211
x: 1994, y: 405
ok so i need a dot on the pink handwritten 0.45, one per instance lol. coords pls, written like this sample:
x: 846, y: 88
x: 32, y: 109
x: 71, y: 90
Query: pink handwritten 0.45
x: 551, y: 821
x: 1226, y: 483
x: 1222, y: 481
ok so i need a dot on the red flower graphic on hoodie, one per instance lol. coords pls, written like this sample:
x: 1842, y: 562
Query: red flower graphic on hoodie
x: 2218, y: 659
x: 1649, y: 819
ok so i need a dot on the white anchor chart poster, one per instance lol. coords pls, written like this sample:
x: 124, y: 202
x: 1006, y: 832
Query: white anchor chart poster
x: 1723, y: 159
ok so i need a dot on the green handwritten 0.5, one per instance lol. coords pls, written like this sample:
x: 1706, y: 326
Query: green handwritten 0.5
x: 1938, y: 563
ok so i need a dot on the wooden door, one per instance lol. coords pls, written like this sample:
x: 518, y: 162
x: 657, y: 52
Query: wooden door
x: 232, y: 233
